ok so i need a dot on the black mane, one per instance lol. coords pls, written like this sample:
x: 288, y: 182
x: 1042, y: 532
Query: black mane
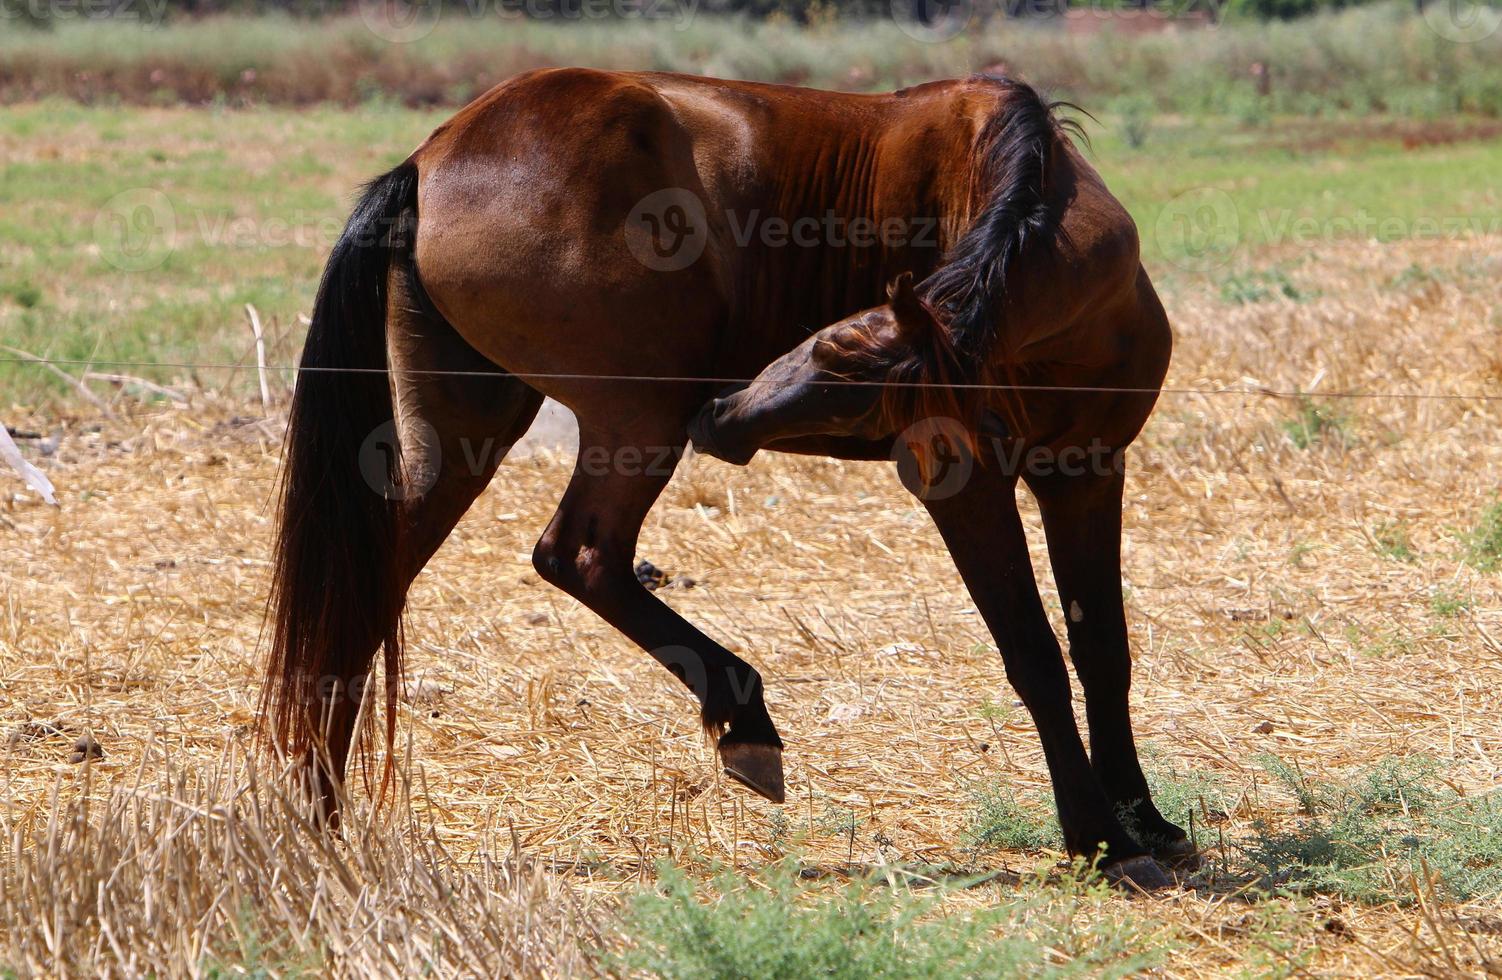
x: 1017, y: 147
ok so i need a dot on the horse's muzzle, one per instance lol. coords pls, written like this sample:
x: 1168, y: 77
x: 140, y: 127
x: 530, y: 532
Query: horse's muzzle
x: 705, y: 433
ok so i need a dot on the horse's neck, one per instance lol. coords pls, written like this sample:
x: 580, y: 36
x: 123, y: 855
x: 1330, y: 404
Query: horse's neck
x: 834, y: 217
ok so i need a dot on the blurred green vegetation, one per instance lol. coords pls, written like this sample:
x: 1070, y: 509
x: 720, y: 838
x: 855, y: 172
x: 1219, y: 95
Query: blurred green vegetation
x: 1383, y: 58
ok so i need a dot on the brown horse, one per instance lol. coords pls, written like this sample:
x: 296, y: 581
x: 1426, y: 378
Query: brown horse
x: 627, y: 242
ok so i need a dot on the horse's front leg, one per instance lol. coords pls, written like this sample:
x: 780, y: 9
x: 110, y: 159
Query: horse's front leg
x: 1082, y: 519
x: 983, y: 530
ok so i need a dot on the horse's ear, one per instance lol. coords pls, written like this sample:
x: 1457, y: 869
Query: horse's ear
x: 913, y: 318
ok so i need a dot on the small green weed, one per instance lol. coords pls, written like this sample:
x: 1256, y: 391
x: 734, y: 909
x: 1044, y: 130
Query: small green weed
x: 1259, y: 287
x: 1293, y: 779
x: 1001, y: 822
x: 1135, y: 113
x: 778, y: 830
x: 1484, y: 543
x: 782, y: 926
x: 1367, y: 838
x: 1178, y: 795
x: 24, y: 294
x: 1392, y: 541
x: 1277, y: 945
x: 1448, y: 604
x: 260, y: 958
x: 1413, y: 277
x: 1316, y: 424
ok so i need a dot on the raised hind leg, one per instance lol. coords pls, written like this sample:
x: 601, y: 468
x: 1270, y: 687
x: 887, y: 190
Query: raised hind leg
x: 450, y: 432
x: 588, y: 550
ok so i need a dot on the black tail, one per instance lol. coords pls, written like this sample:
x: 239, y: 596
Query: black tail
x: 1017, y: 148
x: 337, y: 586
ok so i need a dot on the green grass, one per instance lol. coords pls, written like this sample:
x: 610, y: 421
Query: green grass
x: 779, y: 925
x: 1000, y: 821
x: 259, y: 957
x: 1367, y: 837
x: 1370, y: 837
x: 1484, y: 543
x: 23, y: 294
x: 1317, y: 423
x: 139, y: 236
x: 1209, y: 191
x: 1393, y: 541
x: 1384, y: 833
x: 1379, y: 58
x: 1259, y: 287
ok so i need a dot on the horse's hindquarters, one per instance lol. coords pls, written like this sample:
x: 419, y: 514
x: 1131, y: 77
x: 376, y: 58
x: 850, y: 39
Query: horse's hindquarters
x: 522, y: 244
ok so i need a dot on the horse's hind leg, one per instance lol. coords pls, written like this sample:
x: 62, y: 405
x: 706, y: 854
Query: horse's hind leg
x: 588, y: 550
x: 457, y: 414
x: 1082, y: 519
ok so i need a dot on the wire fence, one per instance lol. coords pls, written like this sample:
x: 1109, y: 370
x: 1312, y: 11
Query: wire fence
x: 1237, y: 390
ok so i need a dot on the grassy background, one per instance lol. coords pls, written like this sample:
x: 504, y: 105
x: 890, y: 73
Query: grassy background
x: 1380, y: 58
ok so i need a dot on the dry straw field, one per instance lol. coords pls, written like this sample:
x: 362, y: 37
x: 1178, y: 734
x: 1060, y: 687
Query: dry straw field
x: 1315, y: 621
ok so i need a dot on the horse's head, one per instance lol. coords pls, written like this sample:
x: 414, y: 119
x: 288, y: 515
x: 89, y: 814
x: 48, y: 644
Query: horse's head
x: 866, y: 376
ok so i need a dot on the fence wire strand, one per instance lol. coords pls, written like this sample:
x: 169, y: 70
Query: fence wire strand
x: 1233, y: 390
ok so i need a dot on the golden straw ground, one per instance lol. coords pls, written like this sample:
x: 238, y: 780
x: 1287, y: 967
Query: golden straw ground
x: 1268, y: 616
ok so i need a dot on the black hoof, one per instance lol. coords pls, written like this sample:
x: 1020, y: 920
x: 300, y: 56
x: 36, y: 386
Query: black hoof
x: 757, y: 767
x: 1180, y: 854
x: 1141, y: 874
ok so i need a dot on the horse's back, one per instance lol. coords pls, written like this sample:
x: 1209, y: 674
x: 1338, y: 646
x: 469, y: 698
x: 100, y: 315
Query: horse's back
x: 536, y: 203
x: 546, y: 158
x: 524, y: 195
